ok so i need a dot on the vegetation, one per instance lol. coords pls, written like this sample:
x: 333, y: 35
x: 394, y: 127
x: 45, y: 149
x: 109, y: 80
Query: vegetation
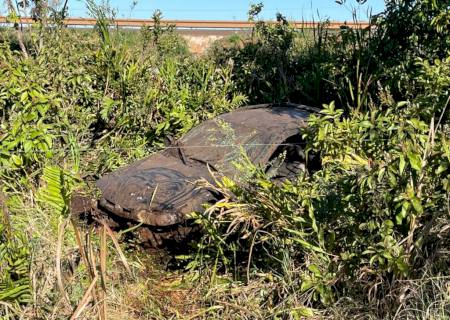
x: 365, y: 236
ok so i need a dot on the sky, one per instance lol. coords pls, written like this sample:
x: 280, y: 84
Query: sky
x: 232, y: 9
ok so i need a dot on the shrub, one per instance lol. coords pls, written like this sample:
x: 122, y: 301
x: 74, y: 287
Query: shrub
x: 376, y: 215
x: 376, y: 210
x: 83, y: 103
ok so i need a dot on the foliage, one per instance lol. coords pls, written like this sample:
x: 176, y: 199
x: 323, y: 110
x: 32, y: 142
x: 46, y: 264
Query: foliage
x: 378, y: 209
x: 57, y: 189
x: 15, y: 284
x: 164, y: 39
x: 279, y: 63
x: 412, y: 29
x: 79, y: 104
x: 91, y: 94
x: 367, y: 234
x: 263, y: 63
x: 26, y: 110
x: 376, y: 215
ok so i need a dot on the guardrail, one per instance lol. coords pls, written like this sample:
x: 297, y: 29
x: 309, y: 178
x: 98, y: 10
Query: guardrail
x: 195, y: 24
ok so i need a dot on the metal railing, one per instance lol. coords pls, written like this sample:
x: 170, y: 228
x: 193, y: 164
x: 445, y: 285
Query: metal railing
x: 195, y: 24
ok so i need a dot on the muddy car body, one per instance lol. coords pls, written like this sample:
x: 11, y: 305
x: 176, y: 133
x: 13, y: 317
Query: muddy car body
x: 160, y: 190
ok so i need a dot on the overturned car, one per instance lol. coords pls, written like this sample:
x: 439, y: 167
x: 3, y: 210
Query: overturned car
x: 158, y: 192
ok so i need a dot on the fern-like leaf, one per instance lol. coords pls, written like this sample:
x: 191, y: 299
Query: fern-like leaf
x: 56, y: 191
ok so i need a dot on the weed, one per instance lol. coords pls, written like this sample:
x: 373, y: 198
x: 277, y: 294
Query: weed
x: 366, y: 235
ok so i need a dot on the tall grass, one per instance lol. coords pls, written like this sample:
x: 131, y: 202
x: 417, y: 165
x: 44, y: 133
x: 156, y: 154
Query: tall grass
x: 82, y: 104
x: 366, y: 236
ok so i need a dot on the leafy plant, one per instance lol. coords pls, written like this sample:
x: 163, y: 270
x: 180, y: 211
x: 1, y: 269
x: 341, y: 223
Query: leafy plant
x: 57, y: 189
x: 367, y: 234
x: 370, y: 212
x: 15, y: 283
x: 263, y: 64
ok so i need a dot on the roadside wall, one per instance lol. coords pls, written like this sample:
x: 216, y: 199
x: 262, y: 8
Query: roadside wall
x: 199, y: 40
x: 199, y: 44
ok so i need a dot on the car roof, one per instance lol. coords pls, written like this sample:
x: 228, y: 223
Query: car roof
x: 256, y: 130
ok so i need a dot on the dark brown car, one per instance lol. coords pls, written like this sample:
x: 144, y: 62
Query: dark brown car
x: 160, y: 190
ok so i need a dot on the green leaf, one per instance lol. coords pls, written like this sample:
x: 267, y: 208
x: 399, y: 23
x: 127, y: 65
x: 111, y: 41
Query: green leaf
x: 305, y: 244
x: 27, y: 146
x: 402, y: 164
x: 303, y: 312
x: 17, y: 160
x: 314, y: 269
x: 55, y: 193
x: 24, y: 96
x: 442, y: 167
x: 402, y: 214
x: 402, y: 266
x: 417, y: 205
x: 306, y: 285
x: 365, y: 124
x: 415, y: 161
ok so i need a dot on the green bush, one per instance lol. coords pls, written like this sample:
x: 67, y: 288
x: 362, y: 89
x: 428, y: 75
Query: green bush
x: 83, y: 103
x: 91, y: 94
x: 377, y: 209
x: 372, y: 223
x: 263, y: 63
x: 280, y: 63
x: 369, y: 230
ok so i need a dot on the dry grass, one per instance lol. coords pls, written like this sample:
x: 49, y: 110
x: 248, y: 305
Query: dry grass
x: 107, y: 278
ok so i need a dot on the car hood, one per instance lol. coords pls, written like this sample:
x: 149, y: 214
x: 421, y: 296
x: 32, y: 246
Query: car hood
x: 159, y: 190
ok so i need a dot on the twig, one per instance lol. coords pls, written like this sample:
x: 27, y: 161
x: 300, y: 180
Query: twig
x: 9, y: 306
x: 103, y: 255
x: 92, y: 264
x: 250, y: 256
x: 18, y: 28
x: 79, y: 242
x: 116, y: 245
x: 235, y: 306
x: 85, y: 300
x: 62, y: 227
